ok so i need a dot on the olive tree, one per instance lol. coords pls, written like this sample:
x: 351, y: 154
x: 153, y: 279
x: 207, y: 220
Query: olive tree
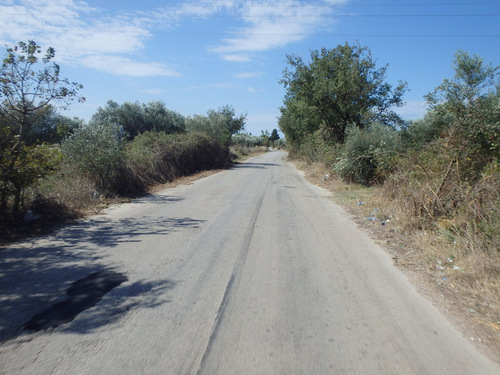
x: 220, y: 125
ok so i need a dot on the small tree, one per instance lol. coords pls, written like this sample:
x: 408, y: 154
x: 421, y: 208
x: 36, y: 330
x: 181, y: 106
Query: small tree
x: 29, y: 82
x: 470, y: 105
x: 274, y: 136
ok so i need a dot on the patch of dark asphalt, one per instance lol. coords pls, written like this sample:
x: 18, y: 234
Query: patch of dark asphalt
x: 82, y: 295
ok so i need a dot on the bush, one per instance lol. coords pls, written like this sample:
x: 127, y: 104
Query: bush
x: 367, y: 155
x: 153, y: 158
x: 97, y: 153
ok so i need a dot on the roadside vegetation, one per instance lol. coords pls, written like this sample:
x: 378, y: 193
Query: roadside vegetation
x: 54, y: 168
x: 430, y: 187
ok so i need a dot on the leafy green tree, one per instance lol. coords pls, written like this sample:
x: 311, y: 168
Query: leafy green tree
x: 470, y: 106
x: 130, y: 116
x: 137, y: 119
x: 29, y: 82
x: 220, y: 124
x: 160, y: 119
x: 339, y: 87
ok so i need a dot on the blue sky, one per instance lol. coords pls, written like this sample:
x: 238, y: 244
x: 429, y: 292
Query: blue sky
x: 201, y: 55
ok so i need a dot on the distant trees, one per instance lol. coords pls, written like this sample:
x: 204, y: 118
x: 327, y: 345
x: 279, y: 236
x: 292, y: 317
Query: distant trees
x: 29, y: 82
x: 221, y: 125
x: 338, y: 87
x: 136, y: 118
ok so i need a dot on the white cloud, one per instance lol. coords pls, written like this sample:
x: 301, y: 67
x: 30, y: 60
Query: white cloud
x: 241, y: 57
x: 120, y: 65
x: 81, y: 35
x: 274, y: 23
x: 248, y: 75
x: 253, y: 90
x: 217, y: 86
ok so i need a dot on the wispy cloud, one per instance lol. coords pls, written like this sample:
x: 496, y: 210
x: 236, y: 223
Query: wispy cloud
x: 245, y: 75
x: 273, y: 23
x: 217, y: 86
x: 82, y: 35
x: 95, y: 38
x: 253, y: 90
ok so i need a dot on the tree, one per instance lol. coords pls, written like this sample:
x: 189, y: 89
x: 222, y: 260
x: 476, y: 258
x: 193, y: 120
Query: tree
x: 160, y: 119
x: 137, y: 119
x: 470, y: 106
x: 220, y: 125
x: 29, y: 82
x: 274, y: 136
x: 473, y: 79
x: 339, y: 87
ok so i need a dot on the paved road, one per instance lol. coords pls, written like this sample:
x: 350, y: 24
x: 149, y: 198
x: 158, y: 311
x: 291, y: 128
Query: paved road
x: 249, y: 271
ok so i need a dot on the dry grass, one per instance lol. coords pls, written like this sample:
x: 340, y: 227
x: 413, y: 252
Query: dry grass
x: 457, y: 275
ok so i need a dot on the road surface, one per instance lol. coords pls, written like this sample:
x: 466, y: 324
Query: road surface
x: 248, y: 271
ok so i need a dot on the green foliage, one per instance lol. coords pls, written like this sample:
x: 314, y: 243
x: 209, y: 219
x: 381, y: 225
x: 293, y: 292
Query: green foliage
x: 97, y: 152
x: 298, y: 121
x: 448, y: 181
x: 136, y: 118
x: 246, y: 140
x: 368, y: 154
x: 338, y: 87
x: 274, y: 136
x: 220, y: 125
x: 471, y: 108
x: 420, y: 132
x: 159, y: 157
x: 29, y: 82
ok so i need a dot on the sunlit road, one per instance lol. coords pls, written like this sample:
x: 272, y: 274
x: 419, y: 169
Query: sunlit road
x: 248, y: 271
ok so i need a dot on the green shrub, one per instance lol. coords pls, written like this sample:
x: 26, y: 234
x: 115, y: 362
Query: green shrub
x: 97, y: 152
x: 153, y: 158
x: 367, y: 155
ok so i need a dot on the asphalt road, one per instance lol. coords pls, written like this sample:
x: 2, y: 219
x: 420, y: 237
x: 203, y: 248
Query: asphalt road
x: 248, y: 271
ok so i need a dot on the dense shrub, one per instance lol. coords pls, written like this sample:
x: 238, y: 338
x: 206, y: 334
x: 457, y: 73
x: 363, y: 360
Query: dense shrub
x: 97, y: 152
x: 368, y: 154
x: 159, y: 157
x: 420, y: 132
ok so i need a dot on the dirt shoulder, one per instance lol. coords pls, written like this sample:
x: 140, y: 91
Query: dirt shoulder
x: 473, y: 310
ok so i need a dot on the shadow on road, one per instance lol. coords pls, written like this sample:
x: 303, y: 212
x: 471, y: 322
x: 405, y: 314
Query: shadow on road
x: 36, y: 275
x: 255, y: 165
x: 123, y: 299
